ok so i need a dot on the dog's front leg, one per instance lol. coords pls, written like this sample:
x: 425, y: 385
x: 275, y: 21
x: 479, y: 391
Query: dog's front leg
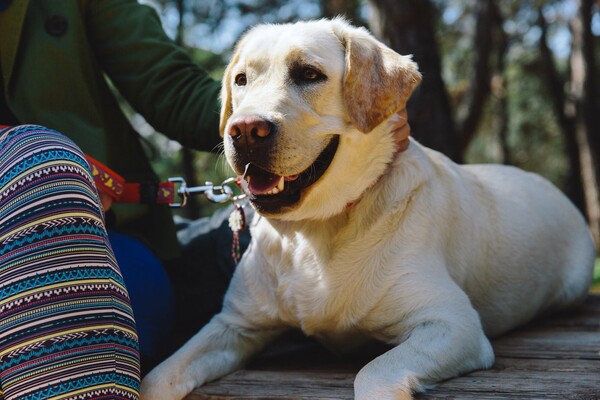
x: 218, y: 349
x: 221, y: 347
x: 435, y: 350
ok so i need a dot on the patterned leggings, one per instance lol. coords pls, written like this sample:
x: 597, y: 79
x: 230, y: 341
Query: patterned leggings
x: 66, y: 325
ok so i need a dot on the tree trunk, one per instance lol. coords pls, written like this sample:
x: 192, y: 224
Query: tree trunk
x: 583, y: 109
x: 500, y: 89
x: 408, y: 27
x: 590, y: 109
x: 346, y: 8
x: 487, y: 13
x: 565, y: 117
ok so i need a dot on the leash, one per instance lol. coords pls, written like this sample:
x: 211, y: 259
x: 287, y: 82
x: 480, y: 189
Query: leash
x: 115, y: 186
x: 121, y: 191
x: 165, y: 192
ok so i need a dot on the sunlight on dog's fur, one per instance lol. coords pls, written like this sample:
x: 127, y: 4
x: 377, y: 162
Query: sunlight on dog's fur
x: 355, y: 240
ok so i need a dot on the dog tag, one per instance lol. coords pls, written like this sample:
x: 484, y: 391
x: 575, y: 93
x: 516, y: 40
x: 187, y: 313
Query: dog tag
x: 237, y: 223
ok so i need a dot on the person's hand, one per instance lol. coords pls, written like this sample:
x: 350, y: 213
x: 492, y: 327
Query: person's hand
x: 400, y: 129
x: 106, y: 200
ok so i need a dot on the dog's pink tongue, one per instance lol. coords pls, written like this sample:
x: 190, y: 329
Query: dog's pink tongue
x: 262, y: 183
x: 259, y: 181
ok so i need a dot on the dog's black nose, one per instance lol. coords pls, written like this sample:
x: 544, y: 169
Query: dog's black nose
x: 250, y: 129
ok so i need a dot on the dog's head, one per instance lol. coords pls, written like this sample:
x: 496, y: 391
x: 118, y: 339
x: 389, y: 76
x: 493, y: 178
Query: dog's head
x: 303, y: 112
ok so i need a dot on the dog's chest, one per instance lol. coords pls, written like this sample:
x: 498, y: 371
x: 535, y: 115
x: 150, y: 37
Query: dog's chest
x: 308, y: 297
x: 302, y: 282
x: 317, y: 288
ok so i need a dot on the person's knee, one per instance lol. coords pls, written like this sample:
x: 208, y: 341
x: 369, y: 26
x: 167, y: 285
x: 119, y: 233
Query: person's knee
x: 38, y: 160
x: 40, y: 145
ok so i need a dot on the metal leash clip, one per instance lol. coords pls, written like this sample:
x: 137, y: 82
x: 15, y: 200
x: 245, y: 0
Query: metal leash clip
x: 219, y: 194
x: 214, y: 193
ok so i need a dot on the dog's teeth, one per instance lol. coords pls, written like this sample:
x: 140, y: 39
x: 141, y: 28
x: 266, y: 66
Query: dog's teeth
x: 281, y: 184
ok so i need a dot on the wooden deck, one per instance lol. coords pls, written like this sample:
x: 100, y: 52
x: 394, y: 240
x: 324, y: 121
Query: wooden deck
x: 556, y: 358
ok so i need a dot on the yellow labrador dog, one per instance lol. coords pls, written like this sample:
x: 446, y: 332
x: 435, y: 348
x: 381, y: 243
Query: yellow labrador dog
x: 355, y: 240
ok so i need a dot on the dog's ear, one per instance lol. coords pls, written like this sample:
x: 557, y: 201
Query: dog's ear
x: 377, y: 81
x: 226, y: 105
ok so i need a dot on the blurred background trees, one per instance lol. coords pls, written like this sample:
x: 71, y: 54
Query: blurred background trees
x: 512, y: 81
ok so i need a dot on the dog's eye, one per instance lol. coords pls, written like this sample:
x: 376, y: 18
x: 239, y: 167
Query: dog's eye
x: 306, y: 75
x: 310, y: 74
x: 240, y: 80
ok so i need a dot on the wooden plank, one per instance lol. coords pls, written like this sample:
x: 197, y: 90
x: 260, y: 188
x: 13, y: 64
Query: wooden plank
x: 513, y: 378
x: 554, y: 358
x: 550, y: 345
x: 301, y: 385
x: 510, y: 378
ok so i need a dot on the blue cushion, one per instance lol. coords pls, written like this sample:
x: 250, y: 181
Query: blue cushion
x: 150, y: 292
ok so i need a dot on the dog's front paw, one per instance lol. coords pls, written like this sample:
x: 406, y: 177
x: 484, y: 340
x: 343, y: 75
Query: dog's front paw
x: 368, y: 386
x: 162, y: 384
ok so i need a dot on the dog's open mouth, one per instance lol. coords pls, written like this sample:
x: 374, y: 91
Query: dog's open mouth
x: 270, y: 193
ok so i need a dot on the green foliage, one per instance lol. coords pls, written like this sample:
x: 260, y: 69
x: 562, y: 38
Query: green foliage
x: 535, y: 140
x: 211, y: 62
x: 596, y: 281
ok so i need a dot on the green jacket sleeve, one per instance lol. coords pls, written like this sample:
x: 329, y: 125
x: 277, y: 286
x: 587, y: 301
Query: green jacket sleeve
x: 157, y: 77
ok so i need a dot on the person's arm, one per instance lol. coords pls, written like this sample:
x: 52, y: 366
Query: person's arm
x: 157, y: 77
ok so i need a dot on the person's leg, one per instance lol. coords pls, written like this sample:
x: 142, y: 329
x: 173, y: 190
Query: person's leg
x: 66, y: 325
